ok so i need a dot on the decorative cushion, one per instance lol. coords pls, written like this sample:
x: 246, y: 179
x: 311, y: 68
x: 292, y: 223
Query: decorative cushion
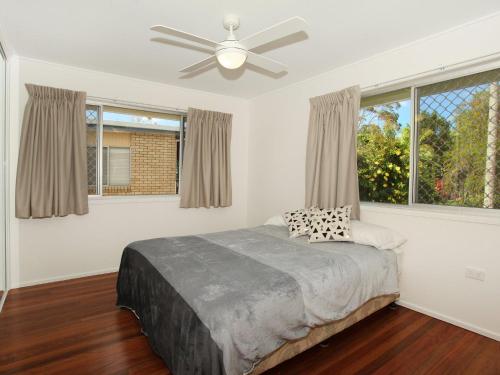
x: 297, y: 222
x: 330, y: 224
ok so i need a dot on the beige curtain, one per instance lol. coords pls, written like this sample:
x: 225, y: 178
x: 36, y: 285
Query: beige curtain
x: 331, y: 167
x: 52, y: 164
x: 206, y: 170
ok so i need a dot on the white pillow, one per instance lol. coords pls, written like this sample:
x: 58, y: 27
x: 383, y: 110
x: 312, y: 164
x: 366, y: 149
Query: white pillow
x: 375, y: 235
x: 276, y: 220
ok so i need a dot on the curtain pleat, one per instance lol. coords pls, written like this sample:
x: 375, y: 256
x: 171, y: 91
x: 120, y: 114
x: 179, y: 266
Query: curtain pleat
x: 206, y: 170
x: 331, y: 161
x: 52, y: 164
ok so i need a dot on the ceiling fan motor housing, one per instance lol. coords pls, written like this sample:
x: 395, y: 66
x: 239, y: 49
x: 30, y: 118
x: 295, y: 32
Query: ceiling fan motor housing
x: 231, y: 20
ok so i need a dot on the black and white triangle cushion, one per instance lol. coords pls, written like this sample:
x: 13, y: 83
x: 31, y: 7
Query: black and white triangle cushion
x: 330, y: 224
x: 297, y: 222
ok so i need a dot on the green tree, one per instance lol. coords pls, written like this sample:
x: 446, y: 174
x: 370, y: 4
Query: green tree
x: 383, y: 155
x: 435, y: 141
x: 465, y: 162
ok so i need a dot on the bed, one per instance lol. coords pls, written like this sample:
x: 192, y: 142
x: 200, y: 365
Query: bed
x: 243, y: 301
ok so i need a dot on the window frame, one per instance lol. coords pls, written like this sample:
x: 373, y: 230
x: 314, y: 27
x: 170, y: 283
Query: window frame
x: 107, y: 166
x: 100, y: 104
x: 413, y: 84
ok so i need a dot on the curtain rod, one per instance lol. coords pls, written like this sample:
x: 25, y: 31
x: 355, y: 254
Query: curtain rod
x: 462, y: 64
x: 135, y: 104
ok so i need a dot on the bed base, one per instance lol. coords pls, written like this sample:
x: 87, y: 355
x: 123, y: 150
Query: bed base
x: 321, y: 333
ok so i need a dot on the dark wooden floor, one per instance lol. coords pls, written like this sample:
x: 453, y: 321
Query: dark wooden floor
x: 73, y: 327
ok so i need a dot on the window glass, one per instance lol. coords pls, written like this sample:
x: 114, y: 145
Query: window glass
x: 458, y: 142
x: 383, y: 147
x: 140, y: 152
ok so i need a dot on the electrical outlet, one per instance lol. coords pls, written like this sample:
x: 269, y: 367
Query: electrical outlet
x: 475, y: 273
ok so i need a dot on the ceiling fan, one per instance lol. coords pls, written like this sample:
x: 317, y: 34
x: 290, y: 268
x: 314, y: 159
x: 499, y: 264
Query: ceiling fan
x: 232, y: 53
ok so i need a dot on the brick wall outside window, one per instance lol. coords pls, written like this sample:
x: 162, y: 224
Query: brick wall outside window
x: 153, y: 161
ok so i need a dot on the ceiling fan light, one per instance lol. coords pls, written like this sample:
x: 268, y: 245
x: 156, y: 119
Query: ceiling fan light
x: 231, y: 58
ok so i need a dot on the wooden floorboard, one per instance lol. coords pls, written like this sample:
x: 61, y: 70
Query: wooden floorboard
x: 73, y: 327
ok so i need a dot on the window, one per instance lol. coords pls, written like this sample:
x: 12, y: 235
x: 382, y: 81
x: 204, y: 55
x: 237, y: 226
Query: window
x: 458, y: 142
x: 92, y: 117
x: 384, y: 147
x: 141, y: 151
x: 455, y: 150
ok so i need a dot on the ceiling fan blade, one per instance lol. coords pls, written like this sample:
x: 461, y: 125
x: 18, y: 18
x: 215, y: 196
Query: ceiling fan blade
x: 198, y: 65
x: 183, y: 34
x: 278, y: 31
x: 177, y: 43
x: 265, y: 63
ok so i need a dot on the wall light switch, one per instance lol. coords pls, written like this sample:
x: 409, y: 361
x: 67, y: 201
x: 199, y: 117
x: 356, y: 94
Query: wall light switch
x: 475, y: 273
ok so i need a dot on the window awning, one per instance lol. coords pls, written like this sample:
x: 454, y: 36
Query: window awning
x: 386, y: 98
x: 142, y: 113
x: 460, y: 83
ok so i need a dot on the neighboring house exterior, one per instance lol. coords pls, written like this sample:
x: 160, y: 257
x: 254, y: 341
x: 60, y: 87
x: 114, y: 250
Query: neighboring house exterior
x: 136, y: 161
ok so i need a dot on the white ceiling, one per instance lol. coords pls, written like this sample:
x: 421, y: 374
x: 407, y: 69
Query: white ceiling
x: 114, y: 36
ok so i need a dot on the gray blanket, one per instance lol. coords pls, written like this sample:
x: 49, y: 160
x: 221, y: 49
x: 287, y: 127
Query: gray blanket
x: 218, y: 303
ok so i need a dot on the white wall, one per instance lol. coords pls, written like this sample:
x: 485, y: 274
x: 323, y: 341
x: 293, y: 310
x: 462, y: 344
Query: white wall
x: 440, y: 246
x: 56, y: 248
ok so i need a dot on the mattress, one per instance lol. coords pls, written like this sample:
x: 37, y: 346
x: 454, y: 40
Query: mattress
x: 219, y: 303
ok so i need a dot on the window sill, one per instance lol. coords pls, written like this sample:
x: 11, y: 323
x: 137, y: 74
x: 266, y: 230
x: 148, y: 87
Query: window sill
x: 117, y: 199
x: 462, y: 214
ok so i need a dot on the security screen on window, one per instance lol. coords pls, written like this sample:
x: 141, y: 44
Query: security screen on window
x: 455, y: 151
x: 139, y: 151
x: 458, y: 142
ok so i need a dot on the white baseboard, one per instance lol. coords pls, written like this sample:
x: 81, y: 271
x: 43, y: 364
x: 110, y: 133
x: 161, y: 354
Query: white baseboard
x: 449, y: 319
x: 64, y: 277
